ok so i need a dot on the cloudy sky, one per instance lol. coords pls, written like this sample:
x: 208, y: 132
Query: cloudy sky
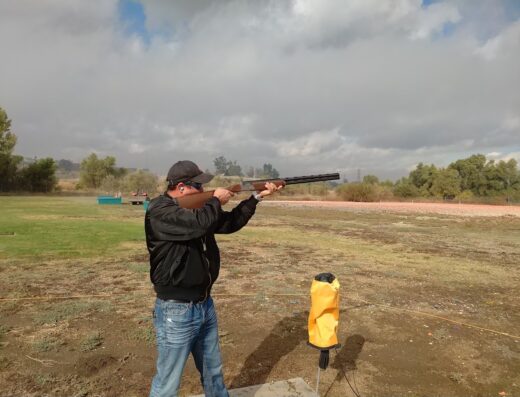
x: 310, y: 86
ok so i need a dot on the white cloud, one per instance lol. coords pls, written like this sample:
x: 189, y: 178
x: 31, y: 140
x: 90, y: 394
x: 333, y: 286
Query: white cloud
x: 315, y: 143
x: 511, y: 123
x: 302, y: 84
x: 505, y: 44
x: 433, y: 20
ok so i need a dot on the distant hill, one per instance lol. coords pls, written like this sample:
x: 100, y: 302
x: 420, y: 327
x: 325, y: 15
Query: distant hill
x: 67, y: 169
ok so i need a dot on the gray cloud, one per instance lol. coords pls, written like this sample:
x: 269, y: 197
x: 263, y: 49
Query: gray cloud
x: 309, y: 86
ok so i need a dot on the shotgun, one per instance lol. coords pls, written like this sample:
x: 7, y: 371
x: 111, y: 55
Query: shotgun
x: 198, y: 200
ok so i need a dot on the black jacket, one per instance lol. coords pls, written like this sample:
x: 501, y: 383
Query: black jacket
x: 184, y: 256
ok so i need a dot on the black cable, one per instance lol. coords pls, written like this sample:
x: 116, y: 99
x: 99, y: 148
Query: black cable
x: 351, y: 388
x: 354, y: 379
x: 356, y: 393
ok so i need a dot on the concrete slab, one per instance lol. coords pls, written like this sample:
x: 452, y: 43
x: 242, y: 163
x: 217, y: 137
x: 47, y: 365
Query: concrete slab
x: 285, y: 388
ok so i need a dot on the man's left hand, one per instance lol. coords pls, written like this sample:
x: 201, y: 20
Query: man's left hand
x: 270, y: 188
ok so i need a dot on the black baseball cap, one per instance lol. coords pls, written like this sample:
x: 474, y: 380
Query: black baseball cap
x: 185, y: 170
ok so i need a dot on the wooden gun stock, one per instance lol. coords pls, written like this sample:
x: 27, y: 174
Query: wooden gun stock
x: 197, y: 200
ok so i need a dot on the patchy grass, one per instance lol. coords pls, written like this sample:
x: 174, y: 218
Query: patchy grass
x: 44, y: 380
x: 144, y: 333
x: 464, y: 269
x: 47, y: 344
x: 91, y: 342
x: 138, y: 267
x: 4, y: 329
x: 56, y: 312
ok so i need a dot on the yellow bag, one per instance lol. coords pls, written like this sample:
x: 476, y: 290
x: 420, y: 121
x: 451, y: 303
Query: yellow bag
x: 324, y: 314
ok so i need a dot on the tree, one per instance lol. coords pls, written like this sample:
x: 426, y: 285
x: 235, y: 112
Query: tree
x: 446, y: 183
x: 7, y: 138
x: 471, y: 172
x: 119, y: 172
x: 492, y: 185
x: 509, y: 175
x: 422, y: 178
x: 227, y: 168
x: 93, y: 170
x: 8, y: 162
x: 142, y: 181
x: 388, y: 183
x: 233, y: 169
x: 405, y: 188
x: 40, y: 176
x: 221, y: 165
x: 268, y: 171
x: 371, y: 179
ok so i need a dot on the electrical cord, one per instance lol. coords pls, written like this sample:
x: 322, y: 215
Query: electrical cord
x: 342, y: 370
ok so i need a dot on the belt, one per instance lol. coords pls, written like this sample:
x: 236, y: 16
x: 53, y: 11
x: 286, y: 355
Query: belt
x: 186, y: 301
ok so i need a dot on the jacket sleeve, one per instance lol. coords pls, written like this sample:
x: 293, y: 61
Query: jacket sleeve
x: 174, y: 223
x: 237, y: 218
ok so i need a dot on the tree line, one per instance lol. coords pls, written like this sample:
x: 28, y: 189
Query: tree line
x: 226, y: 167
x: 464, y: 179
x: 102, y: 174
x: 475, y: 176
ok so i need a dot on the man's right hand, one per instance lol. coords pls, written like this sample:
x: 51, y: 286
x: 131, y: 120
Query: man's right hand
x: 223, y: 195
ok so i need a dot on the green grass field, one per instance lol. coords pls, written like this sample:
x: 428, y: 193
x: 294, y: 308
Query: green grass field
x: 394, y: 269
x: 59, y: 228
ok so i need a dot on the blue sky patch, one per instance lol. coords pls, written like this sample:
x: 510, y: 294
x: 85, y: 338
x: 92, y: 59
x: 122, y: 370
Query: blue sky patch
x: 426, y: 3
x: 448, y: 29
x: 512, y: 10
x: 133, y: 18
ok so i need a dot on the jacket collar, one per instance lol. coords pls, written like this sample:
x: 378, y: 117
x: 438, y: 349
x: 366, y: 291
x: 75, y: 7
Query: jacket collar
x: 165, y: 194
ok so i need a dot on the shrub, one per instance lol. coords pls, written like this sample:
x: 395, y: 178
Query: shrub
x: 140, y: 180
x: 466, y: 195
x: 363, y: 192
x: 405, y: 188
x: 310, y: 189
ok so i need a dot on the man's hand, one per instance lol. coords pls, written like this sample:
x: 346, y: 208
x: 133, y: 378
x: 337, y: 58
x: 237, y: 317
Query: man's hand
x: 270, y: 188
x: 223, y: 195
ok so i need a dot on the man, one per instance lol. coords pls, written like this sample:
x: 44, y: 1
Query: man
x: 184, y: 264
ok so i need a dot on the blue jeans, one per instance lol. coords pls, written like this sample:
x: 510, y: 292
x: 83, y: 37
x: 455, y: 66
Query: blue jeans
x: 181, y: 329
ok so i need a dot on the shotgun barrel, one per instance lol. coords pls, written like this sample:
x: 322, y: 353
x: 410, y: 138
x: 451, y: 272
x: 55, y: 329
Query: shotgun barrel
x: 259, y: 183
x: 300, y: 179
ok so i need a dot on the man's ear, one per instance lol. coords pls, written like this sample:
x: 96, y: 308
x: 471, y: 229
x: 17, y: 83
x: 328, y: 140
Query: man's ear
x: 180, y: 187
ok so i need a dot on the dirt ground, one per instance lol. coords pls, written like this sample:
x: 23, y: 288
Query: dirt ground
x: 419, y: 207
x: 398, y: 265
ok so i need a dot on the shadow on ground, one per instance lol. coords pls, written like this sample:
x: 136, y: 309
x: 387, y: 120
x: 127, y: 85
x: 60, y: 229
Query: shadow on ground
x: 345, y: 362
x: 286, y: 335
